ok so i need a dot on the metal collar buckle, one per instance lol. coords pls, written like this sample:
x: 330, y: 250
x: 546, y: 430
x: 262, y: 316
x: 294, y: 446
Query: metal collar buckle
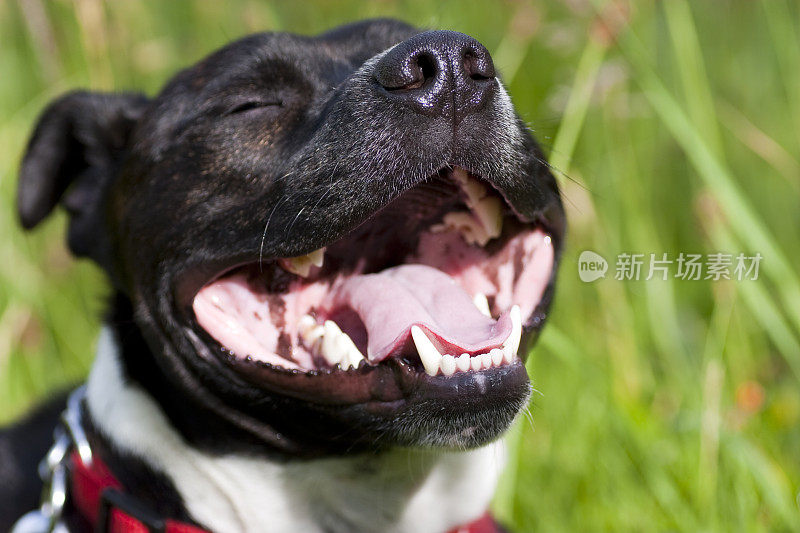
x: 67, y: 436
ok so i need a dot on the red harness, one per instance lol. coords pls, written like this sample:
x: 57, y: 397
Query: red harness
x: 102, y: 501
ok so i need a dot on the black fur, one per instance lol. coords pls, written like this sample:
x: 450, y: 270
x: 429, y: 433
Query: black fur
x: 73, y: 157
x: 272, y: 147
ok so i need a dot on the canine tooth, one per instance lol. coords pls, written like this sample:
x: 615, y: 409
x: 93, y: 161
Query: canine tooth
x: 317, y: 257
x: 474, y: 189
x: 476, y: 362
x: 482, y: 304
x: 301, y: 265
x: 489, y: 212
x: 497, y: 356
x: 486, y: 359
x: 430, y: 356
x: 448, y: 365
x: 511, y: 346
x: 331, y: 347
x: 462, y: 362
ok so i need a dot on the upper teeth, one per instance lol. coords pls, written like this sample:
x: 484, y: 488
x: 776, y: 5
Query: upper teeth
x: 490, y: 213
x: 484, y: 222
x: 330, y: 342
x: 433, y: 361
x: 465, y: 223
x: 301, y: 265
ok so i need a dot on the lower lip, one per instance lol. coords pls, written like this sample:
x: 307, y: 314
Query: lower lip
x: 387, y: 382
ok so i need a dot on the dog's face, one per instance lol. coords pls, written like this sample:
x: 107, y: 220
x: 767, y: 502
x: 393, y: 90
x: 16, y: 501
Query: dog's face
x: 332, y: 242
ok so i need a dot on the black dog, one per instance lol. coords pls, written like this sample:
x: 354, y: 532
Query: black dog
x: 325, y: 254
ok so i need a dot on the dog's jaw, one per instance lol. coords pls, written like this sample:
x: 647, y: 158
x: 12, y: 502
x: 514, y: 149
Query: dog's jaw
x: 252, y: 190
x: 397, y: 491
x: 278, y: 145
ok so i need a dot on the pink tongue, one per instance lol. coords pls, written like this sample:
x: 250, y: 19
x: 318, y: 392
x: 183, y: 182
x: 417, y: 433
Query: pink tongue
x: 392, y: 301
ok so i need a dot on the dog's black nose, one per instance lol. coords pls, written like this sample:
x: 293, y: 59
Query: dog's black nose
x: 439, y: 73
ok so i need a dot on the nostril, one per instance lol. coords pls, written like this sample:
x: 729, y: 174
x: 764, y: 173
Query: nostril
x: 427, y: 65
x: 478, y: 65
x: 438, y: 73
x: 421, y: 68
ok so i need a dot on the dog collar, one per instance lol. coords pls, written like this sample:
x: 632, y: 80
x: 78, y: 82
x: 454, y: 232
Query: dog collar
x: 100, y: 498
x: 71, y: 468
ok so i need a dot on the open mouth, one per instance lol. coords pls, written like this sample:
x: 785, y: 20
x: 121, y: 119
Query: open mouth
x: 445, y: 280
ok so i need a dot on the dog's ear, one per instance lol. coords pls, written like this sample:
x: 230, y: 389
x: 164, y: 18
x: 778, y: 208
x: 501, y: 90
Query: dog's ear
x: 72, y: 157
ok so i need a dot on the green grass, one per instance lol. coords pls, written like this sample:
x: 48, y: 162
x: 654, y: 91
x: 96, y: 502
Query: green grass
x: 674, y: 127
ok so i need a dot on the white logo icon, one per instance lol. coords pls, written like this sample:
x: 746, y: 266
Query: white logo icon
x: 591, y: 266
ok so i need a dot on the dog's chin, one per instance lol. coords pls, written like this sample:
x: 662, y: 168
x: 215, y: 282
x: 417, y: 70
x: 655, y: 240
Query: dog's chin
x: 413, y: 328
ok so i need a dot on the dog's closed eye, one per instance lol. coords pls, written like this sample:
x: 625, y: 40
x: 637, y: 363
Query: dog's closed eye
x: 251, y: 105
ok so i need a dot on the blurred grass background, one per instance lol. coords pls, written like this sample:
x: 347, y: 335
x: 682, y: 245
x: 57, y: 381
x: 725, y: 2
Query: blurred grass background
x: 674, y: 126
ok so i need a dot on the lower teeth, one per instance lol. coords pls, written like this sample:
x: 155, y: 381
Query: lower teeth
x: 337, y: 348
x: 433, y: 361
x: 334, y: 345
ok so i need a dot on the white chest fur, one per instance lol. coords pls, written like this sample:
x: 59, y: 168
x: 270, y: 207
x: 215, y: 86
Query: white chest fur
x: 401, y: 491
